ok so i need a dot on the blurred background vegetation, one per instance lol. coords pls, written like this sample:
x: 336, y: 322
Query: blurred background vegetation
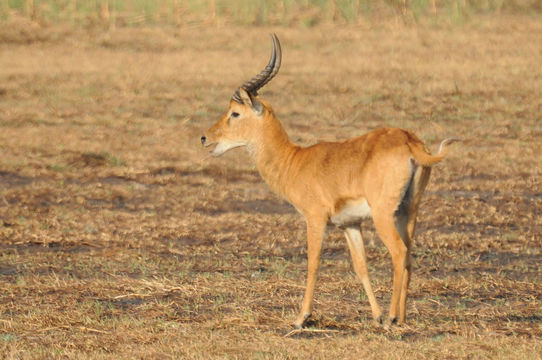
x: 112, y: 13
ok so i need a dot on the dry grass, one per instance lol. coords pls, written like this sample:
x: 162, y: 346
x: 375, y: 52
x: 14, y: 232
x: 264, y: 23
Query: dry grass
x: 121, y: 238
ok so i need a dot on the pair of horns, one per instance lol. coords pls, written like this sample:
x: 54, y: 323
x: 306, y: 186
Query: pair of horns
x: 252, y: 86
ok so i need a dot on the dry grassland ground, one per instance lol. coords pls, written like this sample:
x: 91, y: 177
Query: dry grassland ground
x: 120, y: 237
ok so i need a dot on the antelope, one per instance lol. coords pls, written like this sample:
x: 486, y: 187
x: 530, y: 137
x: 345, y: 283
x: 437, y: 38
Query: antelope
x: 381, y: 174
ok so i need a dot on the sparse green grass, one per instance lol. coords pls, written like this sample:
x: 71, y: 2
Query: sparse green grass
x: 308, y: 13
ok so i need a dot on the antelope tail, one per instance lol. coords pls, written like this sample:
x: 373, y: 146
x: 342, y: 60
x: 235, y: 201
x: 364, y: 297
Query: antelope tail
x: 425, y: 159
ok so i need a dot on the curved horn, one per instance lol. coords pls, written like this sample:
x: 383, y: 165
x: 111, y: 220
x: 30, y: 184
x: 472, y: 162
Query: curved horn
x: 252, y: 86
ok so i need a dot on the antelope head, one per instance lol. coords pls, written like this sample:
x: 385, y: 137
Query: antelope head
x: 242, y: 124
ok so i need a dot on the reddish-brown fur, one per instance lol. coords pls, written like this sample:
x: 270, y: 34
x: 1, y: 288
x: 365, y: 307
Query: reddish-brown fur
x: 388, y: 168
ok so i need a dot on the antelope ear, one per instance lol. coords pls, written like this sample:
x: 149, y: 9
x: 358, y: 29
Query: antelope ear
x: 251, y: 101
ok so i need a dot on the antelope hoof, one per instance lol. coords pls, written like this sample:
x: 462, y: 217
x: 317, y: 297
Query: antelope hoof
x: 379, y: 320
x: 390, y: 322
x: 301, y: 321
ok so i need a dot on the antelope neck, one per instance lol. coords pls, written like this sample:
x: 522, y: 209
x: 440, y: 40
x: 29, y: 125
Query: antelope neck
x: 273, y: 155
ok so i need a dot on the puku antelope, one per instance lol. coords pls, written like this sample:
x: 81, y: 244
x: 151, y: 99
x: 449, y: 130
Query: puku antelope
x: 381, y: 175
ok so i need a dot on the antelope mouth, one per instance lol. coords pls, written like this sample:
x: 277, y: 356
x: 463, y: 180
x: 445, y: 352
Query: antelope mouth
x: 217, y: 148
x: 214, y: 151
x: 212, y: 148
x: 220, y: 147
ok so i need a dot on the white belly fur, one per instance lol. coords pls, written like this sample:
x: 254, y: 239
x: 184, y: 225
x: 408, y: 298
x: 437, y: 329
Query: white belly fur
x: 352, y: 213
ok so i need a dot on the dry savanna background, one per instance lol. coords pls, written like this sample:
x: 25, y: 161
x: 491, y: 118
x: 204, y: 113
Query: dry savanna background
x: 120, y: 237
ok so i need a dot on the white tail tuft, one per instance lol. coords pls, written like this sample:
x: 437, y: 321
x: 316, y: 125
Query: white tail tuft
x: 446, y: 142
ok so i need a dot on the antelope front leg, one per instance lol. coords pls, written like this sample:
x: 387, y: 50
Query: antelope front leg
x: 315, y: 237
x: 359, y: 260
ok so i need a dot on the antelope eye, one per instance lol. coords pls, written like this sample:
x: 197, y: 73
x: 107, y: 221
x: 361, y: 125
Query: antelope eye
x: 234, y: 114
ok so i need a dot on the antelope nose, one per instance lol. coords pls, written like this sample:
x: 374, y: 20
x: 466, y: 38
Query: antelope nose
x: 203, y: 139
